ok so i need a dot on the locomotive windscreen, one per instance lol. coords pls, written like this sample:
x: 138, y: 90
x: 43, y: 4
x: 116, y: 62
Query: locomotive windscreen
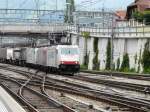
x: 69, y: 51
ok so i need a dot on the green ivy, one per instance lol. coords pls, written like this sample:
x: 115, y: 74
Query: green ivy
x: 125, y: 67
x: 86, y: 35
x: 135, y: 58
x: 118, y: 64
x: 95, y: 59
x: 146, y: 58
x: 139, y: 61
x: 108, y: 55
x: 86, y: 60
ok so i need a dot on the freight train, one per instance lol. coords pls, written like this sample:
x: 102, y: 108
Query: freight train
x: 59, y: 58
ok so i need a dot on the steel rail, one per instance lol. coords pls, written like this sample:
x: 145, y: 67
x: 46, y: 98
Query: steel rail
x: 145, y: 77
x: 65, y: 108
x: 123, y: 85
x: 29, y: 81
x: 63, y: 86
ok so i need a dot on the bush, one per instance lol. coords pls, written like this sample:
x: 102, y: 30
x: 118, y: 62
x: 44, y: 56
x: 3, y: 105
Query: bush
x: 132, y: 70
x: 146, y: 17
x: 142, y: 16
x: 125, y: 67
x: 138, y: 16
x: 83, y: 67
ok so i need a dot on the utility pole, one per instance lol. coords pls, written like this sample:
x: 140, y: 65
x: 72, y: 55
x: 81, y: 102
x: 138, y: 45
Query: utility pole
x: 77, y: 27
x: 56, y: 12
x: 69, y: 12
x: 37, y: 8
x: 6, y: 4
x: 56, y: 5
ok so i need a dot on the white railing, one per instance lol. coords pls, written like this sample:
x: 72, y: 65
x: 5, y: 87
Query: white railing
x: 120, y: 32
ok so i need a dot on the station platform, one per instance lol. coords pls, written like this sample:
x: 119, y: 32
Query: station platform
x: 8, y: 104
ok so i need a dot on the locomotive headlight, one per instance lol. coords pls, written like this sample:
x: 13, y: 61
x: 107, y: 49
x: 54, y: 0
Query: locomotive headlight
x: 62, y: 62
x: 77, y: 62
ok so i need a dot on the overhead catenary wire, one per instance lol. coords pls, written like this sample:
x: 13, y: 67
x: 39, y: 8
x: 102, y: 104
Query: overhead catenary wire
x: 22, y: 4
x: 84, y: 5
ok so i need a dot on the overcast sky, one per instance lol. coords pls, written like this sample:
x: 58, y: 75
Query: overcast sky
x: 51, y: 4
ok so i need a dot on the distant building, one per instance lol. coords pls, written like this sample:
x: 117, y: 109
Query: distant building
x: 138, y: 5
x: 93, y: 18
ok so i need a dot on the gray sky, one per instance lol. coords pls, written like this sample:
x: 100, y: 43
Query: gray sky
x: 51, y: 4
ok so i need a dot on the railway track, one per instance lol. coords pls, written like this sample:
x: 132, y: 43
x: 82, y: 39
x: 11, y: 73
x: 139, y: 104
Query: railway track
x: 32, y: 99
x: 120, y: 74
x: 135, y: 105
x: 145, y: 89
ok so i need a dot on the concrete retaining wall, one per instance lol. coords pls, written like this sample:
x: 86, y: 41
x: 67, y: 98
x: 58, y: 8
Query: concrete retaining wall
x: 133, y: 44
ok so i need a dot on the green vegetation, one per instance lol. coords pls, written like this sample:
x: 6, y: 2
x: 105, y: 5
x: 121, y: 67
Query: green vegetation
x: 142, y: 16
x: 138, y: 16
x: 125, y: 67
x: 95, y: 59
x: 86, y: 35
x: 118, y: 64
x: 146, y: 58
x: 83, y: 67
x: 147, y: 17
x: 86, y: 60
x: 135, y: 58
x: 139, y: 61
x: 108, y: 54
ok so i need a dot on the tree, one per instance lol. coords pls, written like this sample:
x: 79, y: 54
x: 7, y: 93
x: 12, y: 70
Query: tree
x: 138, y: 16
x: 146, y: 17
x: 86, y: 35
x: 125, y: 67
x: 142, y: 16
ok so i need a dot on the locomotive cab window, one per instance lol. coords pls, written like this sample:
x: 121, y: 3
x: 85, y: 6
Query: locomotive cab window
x: 69, y: 51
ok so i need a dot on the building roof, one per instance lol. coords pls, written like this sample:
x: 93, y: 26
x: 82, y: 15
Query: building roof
x: 121, y: 14
x: 142, y: 4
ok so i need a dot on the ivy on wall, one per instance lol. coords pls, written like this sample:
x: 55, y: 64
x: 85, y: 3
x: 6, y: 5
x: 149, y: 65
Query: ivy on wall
x: 95, y: 59
x: 125, y: 67
x: 139, y: 61
x: 118, y: 64
x: 135, y: 58
x: 146, y: 58
x: 86, y: 35
x: 108, y: 55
